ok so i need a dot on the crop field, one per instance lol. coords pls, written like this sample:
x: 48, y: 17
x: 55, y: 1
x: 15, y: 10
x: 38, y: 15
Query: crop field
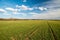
x: 30, y: 30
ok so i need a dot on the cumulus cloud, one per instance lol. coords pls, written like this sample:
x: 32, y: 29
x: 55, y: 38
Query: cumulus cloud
x: 55, y: 14
x: 12, y: 10
x: 52, y: 4
x: 42, y: 8
x: 53, y: 11
x: 33, y: 13
x: 20, y: 13
x: 23, y: 7
x: 7, y: 14
x: 2, y: 11
x: 23, y: 14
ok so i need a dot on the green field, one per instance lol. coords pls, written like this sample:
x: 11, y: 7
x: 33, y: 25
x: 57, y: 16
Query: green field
x: 30, y: 30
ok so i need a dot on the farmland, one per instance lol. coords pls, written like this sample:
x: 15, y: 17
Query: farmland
x: 30, y: 30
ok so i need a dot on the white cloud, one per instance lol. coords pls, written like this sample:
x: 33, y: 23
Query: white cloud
x: 55, y: 14
x: 30, y: 8
x: 17, y: 11
x: 33, y: 13
x: 7, y: 14
x: 20, y: 13
x: 52, y: 4
x: 23, y: 14
x: 2, y: 11
x: 12, y: 9
x: 53, y: 11
x: 23, y: 7
x: 42, y: 8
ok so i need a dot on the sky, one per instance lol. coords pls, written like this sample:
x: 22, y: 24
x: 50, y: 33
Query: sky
x: 30, y: 9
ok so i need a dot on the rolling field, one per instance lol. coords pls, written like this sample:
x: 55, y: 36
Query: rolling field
x: 30, y: 30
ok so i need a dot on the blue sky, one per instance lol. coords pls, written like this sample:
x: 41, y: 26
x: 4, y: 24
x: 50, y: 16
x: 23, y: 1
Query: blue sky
x: 30, y: 9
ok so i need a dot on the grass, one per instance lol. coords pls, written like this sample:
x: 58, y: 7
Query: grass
x: 30, y: 30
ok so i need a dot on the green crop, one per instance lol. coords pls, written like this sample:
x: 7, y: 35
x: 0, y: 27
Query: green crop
x: 30, y: 30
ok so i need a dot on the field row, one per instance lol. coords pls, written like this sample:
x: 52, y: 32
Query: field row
x: 30, y: 30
